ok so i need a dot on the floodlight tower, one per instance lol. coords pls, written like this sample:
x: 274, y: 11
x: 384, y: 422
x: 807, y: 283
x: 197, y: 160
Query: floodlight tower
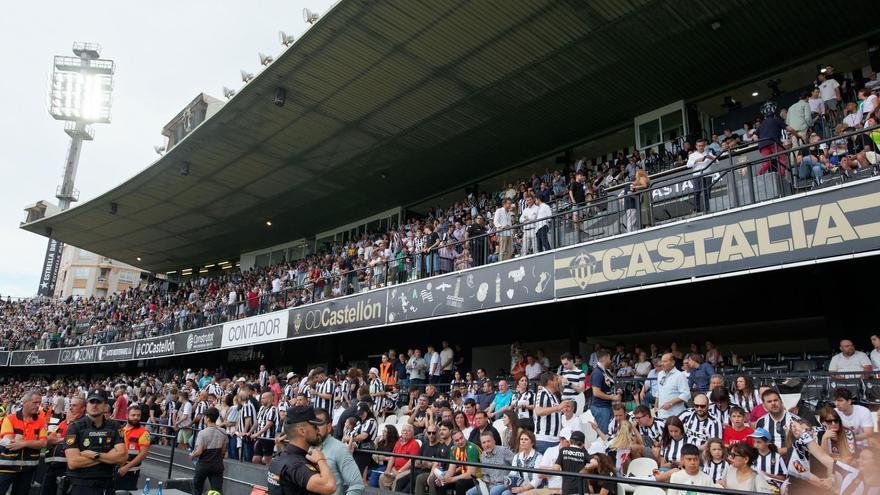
x: 80, y: 93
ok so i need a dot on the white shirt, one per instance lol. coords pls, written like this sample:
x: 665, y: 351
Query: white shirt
x: 529, y: 214
x: 682, y: 478
x: 817, y: 106
x: 446, y: 356
x: 854, y: 363
x: 857, y: 421
x: 544, y: 212
x: 875, y: 359
x: 828, y: 89
x: 533, y: 371
x: 501, y: 219
x: 852, y: 120
x: 868, y: 106
x: 551, y: 455
x: 435, y: 364
x: 699, y: 161
x: 574, y: 424
x: 276, y: 284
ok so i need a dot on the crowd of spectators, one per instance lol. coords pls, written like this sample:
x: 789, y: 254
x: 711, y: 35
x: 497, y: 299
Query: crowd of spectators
x: 693, y: 426
x: 479, y: 229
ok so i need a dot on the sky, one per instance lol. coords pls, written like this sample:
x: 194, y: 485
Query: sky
x: 166, y: 53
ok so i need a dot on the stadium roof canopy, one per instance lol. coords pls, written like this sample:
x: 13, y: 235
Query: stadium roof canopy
x: 391, y: 102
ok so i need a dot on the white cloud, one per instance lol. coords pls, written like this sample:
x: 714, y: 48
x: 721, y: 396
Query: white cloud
x: 166, y: 53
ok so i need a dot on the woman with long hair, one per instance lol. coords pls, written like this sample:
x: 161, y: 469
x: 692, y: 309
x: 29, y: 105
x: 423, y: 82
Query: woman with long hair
x: 526, y: 457
x: 627, y: 444
x: 745, y: 395
x: 511, y: 435
x: 600, y: 464
x: 461, y: 423
x: 837, y: 440
x: 523, y: 399
x: 363, y: 436
x: 671, y: 442
x: 741, y: 475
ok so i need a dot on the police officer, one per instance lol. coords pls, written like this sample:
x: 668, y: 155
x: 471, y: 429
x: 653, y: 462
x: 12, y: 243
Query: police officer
x: 56, y: 463
x: 22, y: 436
x: 93, y: 447
x: 299, y: 470
x: 137, y: 445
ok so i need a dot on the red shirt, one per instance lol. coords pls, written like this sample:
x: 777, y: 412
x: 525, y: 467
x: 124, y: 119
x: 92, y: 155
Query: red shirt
x: 121, y: 408
x: 253, y: 301
x: 757, y: 413
x: 732, y: 436
x: 410, y: 448
x: 276, y: 389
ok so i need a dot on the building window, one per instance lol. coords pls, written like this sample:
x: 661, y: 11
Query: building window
x: 127, y: 277
x: 85, y: 255
x: 81, y: 273
x: 78, y: 291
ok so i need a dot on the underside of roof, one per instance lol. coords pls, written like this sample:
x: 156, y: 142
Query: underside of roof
x: 389, y: 102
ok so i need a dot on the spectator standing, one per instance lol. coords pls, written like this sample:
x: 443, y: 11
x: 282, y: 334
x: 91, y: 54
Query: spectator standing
x: 417, y: 368
x: 267, y: 425
x: 339, y: 458
x: 602, y: 382
x: 120, y: 405
x: 447, y: 362
x: 770, y: 134
x: 800, y: 118
x: 476, y: 235
x: 572, y: 378
x: 502, y: 222
x: 23, y: 436
x: 829, y: 90
x: 849, y: 360
x: 700, y: 373
x: 699, y: 161
x: 210, y: 448
x: 529, y: 217
x: 543, y: 225
x: 673, y: 391
x: 547, y: 413
x: 434, y: 367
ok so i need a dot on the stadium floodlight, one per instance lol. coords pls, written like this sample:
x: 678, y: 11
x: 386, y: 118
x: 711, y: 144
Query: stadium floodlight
x: 309, y: 16
x: 80, y: 92
x: 228, y: 93
x: 246, y: 76
x: 159, y: 149
x: 265, y: 60
x: 285, y: 38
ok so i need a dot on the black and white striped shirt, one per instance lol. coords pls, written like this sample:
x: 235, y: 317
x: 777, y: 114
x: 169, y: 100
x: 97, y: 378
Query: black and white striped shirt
x: 247, y: 410
x: 523, y: 412
x: 772, y: 463
x: 367, y: 426
x: 216, y: 389
x: 715, y: 470
x: 700, y: 430
x: 290, y: 391
x: 747, y: 402
x: 199, y: 411
x: 652, y: 433
x: 547, y: 427
x: 672, y: 451
x: 723, y: 416
x: 777, y: 429
x: 267, y: 414
x: 170, y: 407
x: 264, y: 379
x: 377, y: 386
x: 574, y: 376
x: 343, y: 391
x: 328, y: 386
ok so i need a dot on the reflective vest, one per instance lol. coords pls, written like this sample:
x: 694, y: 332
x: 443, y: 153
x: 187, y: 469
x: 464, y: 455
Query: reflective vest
x: 56, y: 452
x: 132, y: 438
x: 15, y: 426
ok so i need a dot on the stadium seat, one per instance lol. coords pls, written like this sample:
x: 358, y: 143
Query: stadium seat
x: 763, y: 358
x: 854, y: 385
x: 727, y: 370
x: 818, y: 355
x: 871, y: 391
x: 790, y: 400
x: 791, y: 356
x: 777, y: 367
x: 498, y: 424
x: 752, y: 368
x: 589, y: 434
x: 390, y: 419
x: 587, y: 418
x: 804, y: 365
x: 815, y: 391
x: 643, y: 467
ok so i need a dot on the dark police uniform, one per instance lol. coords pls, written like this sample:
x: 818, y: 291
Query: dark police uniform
x: 85, y: 435
x: 290, y: 472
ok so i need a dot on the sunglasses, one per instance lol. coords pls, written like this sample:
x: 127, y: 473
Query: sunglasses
x: 831, y: 420
x: 430, y: 432
x: 701, y: 406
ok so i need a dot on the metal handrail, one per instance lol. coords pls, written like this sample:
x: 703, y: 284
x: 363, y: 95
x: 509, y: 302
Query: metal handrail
x: 582, y: 477
x: 266, y: 301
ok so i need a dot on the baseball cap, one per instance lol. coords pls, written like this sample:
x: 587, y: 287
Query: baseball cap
x: 302, y: 414
x: 578, y: 436
x: 565, y: 433
x: 597, y: 447
x: 761, y: 433
x: 97, y: 394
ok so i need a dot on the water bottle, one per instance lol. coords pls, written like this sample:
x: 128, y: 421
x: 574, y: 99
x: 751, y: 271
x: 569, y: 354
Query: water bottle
x: 146, y: 487
x: 159, y: 489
